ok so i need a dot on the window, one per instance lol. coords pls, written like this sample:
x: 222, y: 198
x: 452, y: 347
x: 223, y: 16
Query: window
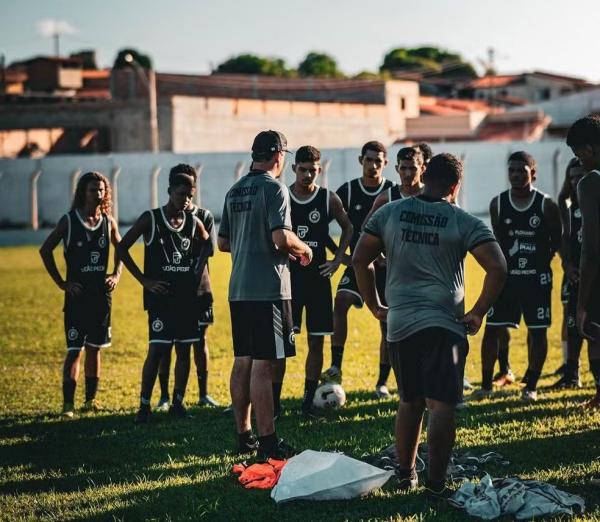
x: 402, y: 103
x: 544, y: 94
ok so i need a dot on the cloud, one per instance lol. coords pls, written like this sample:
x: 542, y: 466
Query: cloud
x: 50, y: 27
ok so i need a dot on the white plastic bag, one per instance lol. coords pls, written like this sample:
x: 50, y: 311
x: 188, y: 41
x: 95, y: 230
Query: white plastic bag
x: 316, y: 475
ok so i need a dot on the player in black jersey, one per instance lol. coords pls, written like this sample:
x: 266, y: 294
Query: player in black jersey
x: 203, y: 308
x: 357, y: 198
x: 527, y: 225
x: 312, y: 209
x: 173, y: 242
x: 584, y: 140
x: 410, y: 165
x: 571, y: 255
x: 86, y: 231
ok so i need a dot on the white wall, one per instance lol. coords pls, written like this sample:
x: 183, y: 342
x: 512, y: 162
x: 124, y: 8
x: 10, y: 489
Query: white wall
x: 485, y: 176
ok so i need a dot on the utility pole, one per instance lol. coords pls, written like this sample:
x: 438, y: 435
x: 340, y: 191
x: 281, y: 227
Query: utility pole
x: 56, y: 37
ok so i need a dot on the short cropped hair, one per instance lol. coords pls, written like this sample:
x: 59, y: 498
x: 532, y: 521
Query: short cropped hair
x: 585, y: 131
x: 409, y: 153
x: 180, y: 179
x: 426, y: 150
x: 182, y: 168
x: 308, y: 154
x: 525, y: 157
x: 444, y: 169
x: 376, y: 146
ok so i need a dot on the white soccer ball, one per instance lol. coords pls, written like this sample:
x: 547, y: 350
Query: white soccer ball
x: 330, y: 395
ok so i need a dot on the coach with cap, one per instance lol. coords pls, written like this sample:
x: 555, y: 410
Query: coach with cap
x: 256, y: 229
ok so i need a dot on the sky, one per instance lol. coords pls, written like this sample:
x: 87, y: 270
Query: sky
x: 191, y: 36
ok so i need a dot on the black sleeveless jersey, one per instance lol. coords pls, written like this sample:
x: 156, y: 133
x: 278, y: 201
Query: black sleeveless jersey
x: 358, y: 200
x: 576, y: 234
x: 394, y: 194
x: 310, y: 222
x: 86, y: 252
x: 205, y: 248
x: 524, y: 235
x: 170, y: 256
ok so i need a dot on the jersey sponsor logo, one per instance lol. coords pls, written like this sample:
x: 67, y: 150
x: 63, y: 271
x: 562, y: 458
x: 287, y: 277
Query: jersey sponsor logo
x: 312, y: 244
x: 171, y: 268
x: 94, y: 257
x: 185, y: 243
x: 523, y: 233
x: 157, y: 325
x: 302, y: 231
x: 522, y: 263
x: 101, y: 241
x: 93, y: 268
x: 176, y: 257
x: 314, y: 216
x: 534, y: 221
x: 72, y: 334
x: 580, y: 235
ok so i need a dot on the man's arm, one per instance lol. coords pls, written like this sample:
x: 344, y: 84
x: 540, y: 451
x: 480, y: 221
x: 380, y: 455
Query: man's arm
x: 588, y: 194
x: 552, y: 215
x: 288, y: 242
x: 113, y: 279
x: 337, y: 211
x: 142, y: 227
x: 368, y: 248
x: 491, y: 259
x: 223, y: 244
x: 47, y: 255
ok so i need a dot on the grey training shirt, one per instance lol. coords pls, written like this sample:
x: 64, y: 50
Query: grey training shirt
x: 254, y: 207
x: 425, y: 241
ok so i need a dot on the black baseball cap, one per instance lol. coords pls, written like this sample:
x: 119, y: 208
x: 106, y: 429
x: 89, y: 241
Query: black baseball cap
x: 269, y: 141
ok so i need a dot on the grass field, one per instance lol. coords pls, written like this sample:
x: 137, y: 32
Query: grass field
x: 103, y: 467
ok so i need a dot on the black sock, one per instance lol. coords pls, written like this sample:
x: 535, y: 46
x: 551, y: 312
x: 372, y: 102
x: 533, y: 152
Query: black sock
x: 144, y: 403
x: 572, y: 370
x: 532, y: 380
x: 337, y: 354
x: 163, y: 378
x: 246, y: 438
x: 69, y: 386
x: 310, y: 387
x: 177, y: 396
x: 268, y: 443
x: 486, y: 379
x: 503, y: 361
x: 436, y: 485
x: 91, y: 388
x: 277, y: 396
x: 384, y: 373
x: 595, y: 368
x: 202, y: 383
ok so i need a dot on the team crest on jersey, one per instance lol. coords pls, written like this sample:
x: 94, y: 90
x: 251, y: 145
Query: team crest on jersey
x: 522, y: 262
x: 571, y: 321
x: 580, y: 235
x: 302, y: 231
x: 176, y: 257
x: 72, y: 334
x: 314, y: 216
x: 292, y: 338
x: 534, y: 221
x: 577, y: 213
x: 345, y: 280
x: 157, y: 325
x: 94, y: 257
x: 185, y: 243
x: 101, y: 241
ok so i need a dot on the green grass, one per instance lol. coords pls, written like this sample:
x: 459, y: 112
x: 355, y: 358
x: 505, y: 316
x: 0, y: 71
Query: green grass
x: 104, y: 467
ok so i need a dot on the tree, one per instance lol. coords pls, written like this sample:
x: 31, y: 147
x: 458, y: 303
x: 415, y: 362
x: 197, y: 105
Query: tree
x: 319, y: 65
x: 142, y: 59
x: 252, y: 64
x: 430, y: 61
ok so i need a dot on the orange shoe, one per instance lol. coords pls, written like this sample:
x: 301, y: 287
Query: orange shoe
x: 504, y: 379
x: 593, y: 404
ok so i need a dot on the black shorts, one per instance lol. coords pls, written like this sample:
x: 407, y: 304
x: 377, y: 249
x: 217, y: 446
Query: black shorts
x: 529, y: 296
x: 565, y: 290
x: 87, y: 321
x: 348, y: 284
x: 312, y: 291
x: 593, y: 307
x: 170, y: 324
x: 205, y: 310
x: 431, y: 364
x: 262, y: 330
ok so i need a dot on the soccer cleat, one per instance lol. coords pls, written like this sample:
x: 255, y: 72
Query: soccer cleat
x: 406, y: 480
x: 480, y: 395
x: 163, y: 404
x: 567, y: 383
x: 467, y: 385
x: 528, y: 395
x: 208, y: 401
x: 504, y: 379
x: 332, y: 374
x: 249, y: 446
x: 91, y: 406
x: 593, y: 404
x: 143, y: 414
x: 282, y: 451
x: 382, y: 392
x: 178, y: 410
x: 228, y: 409
x: 68, y: 410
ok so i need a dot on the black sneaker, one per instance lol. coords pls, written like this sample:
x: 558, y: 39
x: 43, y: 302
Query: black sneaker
x: 406, y: 479
x: 282, y: 451
x: 438, y: 494
x: 249, y: 446
x: 567, y: 383
x: 178, y: 410
x: 143, y: 414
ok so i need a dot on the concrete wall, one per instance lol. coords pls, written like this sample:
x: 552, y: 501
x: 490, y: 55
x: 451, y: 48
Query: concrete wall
x: 485, y: 167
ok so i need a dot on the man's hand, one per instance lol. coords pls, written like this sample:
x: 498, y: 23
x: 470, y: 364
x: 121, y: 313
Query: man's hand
x: 112, y: 281
x: 306, y: 257
x: 328, y: 268
x: 156, y: 287
x: 582, y: 324
x: 472, y: 321
x: 74, y: 289
x: 380, y: 312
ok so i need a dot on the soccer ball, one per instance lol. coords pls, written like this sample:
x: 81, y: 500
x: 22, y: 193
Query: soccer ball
x: 330, y: 395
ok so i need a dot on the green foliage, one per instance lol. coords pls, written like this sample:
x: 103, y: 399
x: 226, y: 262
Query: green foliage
x: 431, y: 61
x: 103, y: 467
x: 319, y: 65
x: 143, y: 59
x: 252, y: 64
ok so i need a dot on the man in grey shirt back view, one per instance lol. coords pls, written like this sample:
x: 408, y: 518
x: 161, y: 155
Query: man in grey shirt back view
x: 256, y: 229
x: 425, y: 240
